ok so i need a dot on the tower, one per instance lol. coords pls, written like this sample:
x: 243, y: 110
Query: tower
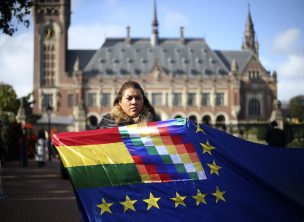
x: 51, y: 23
x: 250, y: 42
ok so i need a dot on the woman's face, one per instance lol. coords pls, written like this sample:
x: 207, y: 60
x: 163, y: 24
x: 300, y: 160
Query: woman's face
x: 132, y: 102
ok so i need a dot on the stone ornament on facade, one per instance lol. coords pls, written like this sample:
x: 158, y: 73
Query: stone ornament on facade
x: 49, y: 32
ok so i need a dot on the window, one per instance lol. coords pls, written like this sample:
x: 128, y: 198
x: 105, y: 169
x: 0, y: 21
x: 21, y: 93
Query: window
x: 235, y: 98
x: 178, y: 116
x: 206, y: 120
x: 91, y: 99
x: 166, y: 99
x: 47, y: 99
x: 177, y: 99
x: 254, y: 74
x: 205, y: 99
x: 220, y: 123
x: 70, y: 100
x: 254, y: 107
x: 257, y: 74
x: 193, y: 118
x: 105, y: 99
x: 49, y: 62
x: 220, y: 120
x: 191, y: 99
x: 157, y: 99
x: 219, y: 99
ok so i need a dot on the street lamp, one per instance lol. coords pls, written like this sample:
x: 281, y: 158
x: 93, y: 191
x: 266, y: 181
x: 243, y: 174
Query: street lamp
x: 49, y: 110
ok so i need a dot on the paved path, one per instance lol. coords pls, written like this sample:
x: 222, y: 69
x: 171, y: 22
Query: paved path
x: 37, y: 194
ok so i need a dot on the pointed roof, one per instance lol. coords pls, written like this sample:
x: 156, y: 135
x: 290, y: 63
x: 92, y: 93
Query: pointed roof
x: 79, y: 57
x: 240, y: 57
x: 154, y: 36
x: 155, y: 21
x: 249, y: 24
x: 250, y: 42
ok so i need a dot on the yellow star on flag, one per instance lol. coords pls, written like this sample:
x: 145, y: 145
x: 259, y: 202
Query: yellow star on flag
x: 214, y: 168
x: 219, y: 195
x: 152, y: 201
x: 105, y: 207
x: 128, y: 204
x: 200, y: 197
x: 199, y: 129
x: 207, y: 147
x: 178, y: 200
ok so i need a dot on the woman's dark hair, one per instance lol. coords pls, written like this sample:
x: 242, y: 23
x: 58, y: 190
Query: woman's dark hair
x: 133, y: 85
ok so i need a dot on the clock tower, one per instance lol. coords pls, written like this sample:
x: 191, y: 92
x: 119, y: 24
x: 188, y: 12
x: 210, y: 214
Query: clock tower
x: 51, y: 23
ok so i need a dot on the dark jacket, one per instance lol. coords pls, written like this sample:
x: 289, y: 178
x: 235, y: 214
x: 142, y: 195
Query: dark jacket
x: 107, y: 122
x: 118, y: 118
x: 276, y: 137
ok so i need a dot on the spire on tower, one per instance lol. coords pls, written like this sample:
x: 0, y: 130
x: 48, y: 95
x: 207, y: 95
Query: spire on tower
x: 250, y: 41
x: 154, y: 36
x: 155, y: 22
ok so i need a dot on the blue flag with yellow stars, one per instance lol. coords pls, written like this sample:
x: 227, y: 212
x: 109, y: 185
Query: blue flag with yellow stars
x: 178, y: 170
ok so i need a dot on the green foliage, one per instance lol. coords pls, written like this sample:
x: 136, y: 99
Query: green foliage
x: 299, y: 131
x: 296, y: 144
x: 295, y: 134
x: 8, y: 99
x: 289, y: 131
x: 261, y: 132
x: 27, y: 104
x: 14, y: 12
x: 252, y: 130
x: 296, y: 107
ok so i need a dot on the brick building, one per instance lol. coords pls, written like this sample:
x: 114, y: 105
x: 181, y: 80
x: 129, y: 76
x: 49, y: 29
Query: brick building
x: 181, y: 76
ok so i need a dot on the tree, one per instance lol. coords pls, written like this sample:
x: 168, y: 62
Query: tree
x: 296, y: 107
x: 8, y: 99
x: 27, y: 104
x: 12, y: 12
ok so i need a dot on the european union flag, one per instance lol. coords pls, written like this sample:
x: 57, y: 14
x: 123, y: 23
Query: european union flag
x: 178, y: 170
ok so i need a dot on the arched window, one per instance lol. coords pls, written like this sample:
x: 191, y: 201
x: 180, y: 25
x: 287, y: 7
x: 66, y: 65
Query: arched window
x: 178, y: 116
x: 254, y: 107
x: 206, y: 120
x: 220, y: 122
x: 193, y: 118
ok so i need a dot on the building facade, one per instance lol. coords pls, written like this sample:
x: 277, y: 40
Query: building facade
x: 181, y: 76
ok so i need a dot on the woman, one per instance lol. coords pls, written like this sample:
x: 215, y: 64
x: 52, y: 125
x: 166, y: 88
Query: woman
x: 40, y: 149
x: 131, y: 106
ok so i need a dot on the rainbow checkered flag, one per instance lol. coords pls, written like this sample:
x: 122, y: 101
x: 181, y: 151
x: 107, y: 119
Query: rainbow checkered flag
x: 178, y: 170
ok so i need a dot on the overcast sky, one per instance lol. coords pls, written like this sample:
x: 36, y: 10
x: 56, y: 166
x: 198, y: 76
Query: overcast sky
x: 279, y: 26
